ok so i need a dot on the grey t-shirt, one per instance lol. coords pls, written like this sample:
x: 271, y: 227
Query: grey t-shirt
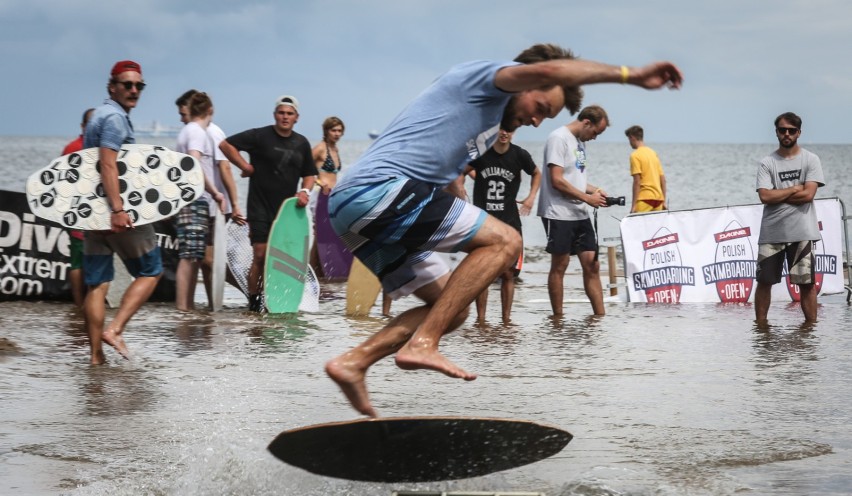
x: 783, y: 222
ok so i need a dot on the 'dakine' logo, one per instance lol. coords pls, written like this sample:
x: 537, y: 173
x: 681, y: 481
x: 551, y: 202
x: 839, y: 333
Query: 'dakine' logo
x: 663, y: 273
x: 734, y: 267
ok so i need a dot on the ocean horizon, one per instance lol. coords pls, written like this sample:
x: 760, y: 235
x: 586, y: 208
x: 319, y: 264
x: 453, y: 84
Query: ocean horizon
x: 697, y: 175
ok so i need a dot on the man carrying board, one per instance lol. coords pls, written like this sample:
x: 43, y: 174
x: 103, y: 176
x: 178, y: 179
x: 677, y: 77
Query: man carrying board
x: 392, y: 212
x: 137, y: 247
x: 279, y: 157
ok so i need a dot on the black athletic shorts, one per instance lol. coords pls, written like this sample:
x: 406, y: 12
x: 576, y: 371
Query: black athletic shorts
x: 569, y: 236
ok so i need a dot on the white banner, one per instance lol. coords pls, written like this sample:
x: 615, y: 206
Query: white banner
x: 710, y: 255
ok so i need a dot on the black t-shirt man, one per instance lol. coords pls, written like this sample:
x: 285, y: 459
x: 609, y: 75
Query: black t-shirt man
x: 279, y: 163
x: 498, y: 178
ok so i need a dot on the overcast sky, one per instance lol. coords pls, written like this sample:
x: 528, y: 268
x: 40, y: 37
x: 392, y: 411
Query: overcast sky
x: 744, y: 61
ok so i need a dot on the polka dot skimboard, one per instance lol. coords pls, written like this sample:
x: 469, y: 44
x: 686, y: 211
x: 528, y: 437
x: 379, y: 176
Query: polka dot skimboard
x: 154, y: 182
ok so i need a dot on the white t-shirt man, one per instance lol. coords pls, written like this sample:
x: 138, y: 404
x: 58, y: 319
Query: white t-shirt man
x: 194, y: 137
x: 217, y: 135
x: 563, y: 150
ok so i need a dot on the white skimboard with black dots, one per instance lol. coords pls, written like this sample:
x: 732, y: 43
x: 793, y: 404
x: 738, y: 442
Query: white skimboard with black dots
x: 154, y: 183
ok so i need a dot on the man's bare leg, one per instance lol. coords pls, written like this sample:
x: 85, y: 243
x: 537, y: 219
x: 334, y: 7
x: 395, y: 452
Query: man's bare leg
x: 762, y: 299
x: 481, y: 304
x: 207, y: 275
x: 507, y: 294
x: 494, y: 247
x: 256, y: 270
x: 555, y: 281
x: 350, y: 369
x: 386, y: 304
x: 94, y: 309
x: 136, y: 295
x: 592, y: 281
x: 78, y: 288
x: 185, y: 277
x: 808, y: 301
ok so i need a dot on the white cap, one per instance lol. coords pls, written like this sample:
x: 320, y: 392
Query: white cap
x: 287, y: 100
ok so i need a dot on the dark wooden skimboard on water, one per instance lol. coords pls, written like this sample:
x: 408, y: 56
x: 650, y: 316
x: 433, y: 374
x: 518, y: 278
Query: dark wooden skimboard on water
x: 417, y: 449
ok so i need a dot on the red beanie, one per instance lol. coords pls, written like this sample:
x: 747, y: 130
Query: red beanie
x: 124, y: 66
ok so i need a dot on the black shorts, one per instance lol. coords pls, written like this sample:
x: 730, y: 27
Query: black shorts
x: 569, y: 236
x: 259, y: 231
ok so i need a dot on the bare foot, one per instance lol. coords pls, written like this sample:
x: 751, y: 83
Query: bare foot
x: 98, y: 358
x: 350, y: 379
x: 114, y: 339
x: 411, y: 358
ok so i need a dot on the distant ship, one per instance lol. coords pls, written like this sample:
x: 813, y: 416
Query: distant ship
x: 157, y: 130
x: 373, y: 134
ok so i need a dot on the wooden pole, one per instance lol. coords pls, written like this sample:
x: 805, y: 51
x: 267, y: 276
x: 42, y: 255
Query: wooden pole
x: 613, y: 270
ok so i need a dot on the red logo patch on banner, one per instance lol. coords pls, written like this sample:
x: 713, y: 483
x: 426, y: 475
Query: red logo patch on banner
x: 663, y: 275
x: 734, y: 266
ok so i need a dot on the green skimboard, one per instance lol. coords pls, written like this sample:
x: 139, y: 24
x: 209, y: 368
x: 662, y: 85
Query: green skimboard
x: 287, y: 254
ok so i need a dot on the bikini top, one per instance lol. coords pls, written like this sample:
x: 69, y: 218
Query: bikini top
x: 328, y: 165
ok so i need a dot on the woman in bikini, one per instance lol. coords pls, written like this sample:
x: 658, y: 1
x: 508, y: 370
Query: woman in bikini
x: 326, y: 155
x: 327, y: 160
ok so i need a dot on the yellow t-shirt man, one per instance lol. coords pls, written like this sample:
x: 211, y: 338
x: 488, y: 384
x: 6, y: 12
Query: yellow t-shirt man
x: 645, y: 163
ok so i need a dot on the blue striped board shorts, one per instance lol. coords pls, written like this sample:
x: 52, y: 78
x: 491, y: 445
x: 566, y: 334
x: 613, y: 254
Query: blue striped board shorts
x: 396, y: 226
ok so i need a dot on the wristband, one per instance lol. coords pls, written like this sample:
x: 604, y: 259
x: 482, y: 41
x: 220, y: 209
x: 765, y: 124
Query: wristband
x: 305, y: 190
x: 625, y: 73
x: 117, y: 211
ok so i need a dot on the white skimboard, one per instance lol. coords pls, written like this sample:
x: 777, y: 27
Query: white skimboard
x: 154, y: 182
x: 220, y: 261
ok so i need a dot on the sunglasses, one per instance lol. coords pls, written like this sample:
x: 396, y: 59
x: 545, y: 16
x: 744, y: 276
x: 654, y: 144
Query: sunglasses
x: 786, y: 130
x: 128, y: 85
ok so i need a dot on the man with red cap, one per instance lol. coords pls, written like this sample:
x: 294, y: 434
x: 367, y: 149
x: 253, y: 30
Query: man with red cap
x: 108, y: 129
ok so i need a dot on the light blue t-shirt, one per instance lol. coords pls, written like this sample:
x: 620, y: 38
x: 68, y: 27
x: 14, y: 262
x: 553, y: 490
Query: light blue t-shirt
x: 109, y: 127
x: 454, y: 121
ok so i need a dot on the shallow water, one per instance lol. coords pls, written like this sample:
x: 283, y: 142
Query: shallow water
x: 662, y: 399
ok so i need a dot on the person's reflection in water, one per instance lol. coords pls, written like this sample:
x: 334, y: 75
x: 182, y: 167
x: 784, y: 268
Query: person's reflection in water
x: 194, y: 334
x: 780, y: 345
x: 500, y: 334
x: 117, y: 390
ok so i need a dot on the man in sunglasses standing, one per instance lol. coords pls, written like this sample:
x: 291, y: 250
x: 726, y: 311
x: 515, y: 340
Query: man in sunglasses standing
x: 108, y: 129
x: 787, y: 181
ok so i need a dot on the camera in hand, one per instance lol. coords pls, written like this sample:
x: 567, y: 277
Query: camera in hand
x: 614, y: 200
